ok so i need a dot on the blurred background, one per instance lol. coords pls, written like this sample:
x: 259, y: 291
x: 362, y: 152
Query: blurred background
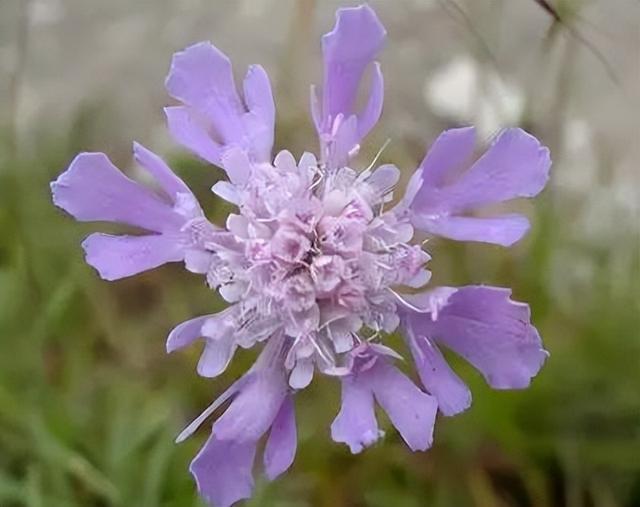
x: 90, y: 403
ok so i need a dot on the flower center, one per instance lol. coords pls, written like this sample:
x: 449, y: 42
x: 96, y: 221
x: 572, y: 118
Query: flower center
x: 314, y: 257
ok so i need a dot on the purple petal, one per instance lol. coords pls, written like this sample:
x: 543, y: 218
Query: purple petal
x: 502, y: 230
x: 222, y: 470
x: 259, y: 100
x: 429, y: 301
x: 280, y: 450
x: 383, y: 179
x: 220, y: 345
x: 93, y: 189
x: 235, y: 388
x: 488, y: 329
x: 370, y: 115
x: 438, y: 378
x: 344, y: 144
x: 170, y: 183
x: 201, y: 77
x: 212, y: 326
x: 412, y: 411
x: 227, y: 191
x: 447, y: 156
x: 254, y: 409
x: 237, y: 165
x: 356, y: 423
x: 515, y: 165
x: 217, y: 354
x: 348, y: 49
x: 302, y: 374
x: 441, y: 165
x: 191, y: 132
x: 197, y: 261
x: 189, y: 331
x: 116, y: 257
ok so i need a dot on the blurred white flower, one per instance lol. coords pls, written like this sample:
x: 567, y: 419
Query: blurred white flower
x: 462, y: 91
x: 579, y: 174
x: 422, y: 5
x: 45, y: 12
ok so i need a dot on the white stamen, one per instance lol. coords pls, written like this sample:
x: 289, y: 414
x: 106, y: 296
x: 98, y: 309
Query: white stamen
x: 378, y: 155
x: 406, y: 303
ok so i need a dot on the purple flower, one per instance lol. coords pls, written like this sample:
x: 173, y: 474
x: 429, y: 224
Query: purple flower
x: 315, y: 264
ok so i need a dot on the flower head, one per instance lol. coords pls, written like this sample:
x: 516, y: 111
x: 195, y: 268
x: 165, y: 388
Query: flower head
x: 315, y: 263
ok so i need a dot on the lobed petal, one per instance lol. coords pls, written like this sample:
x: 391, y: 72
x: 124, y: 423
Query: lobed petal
x: 502, y: 230
x: 516, y: 165
x: 201, y: 77
x: 93, y: 189
x: 116, y: 257
x: 280, y: 450
x: 371, y: 113
x: 488, y: 329
x: 190, y: 131
x: 412, y: 411
x: 355, y: 424
x: 254, y: 409
x: 447, y: 157
x: 260, y: 122
x: 217, y: 355
x: 220, y: 344
x: 223, y: 471
x: 187, y: 332
x: 161, y: 172
x: 348, y: 49
x: 223, y: 467
x: 216, y: 117
x: 438, y: 378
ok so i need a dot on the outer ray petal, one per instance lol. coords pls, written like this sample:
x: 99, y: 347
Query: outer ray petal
x: 218, y: 332
x: 348, y: 50
x: 488, y: 329
x: 502, y: 230
x: 355, y: 424
x: 412, y: 411
x: 515, y: 165
x: 438, y: 378
x: 116, y: 257
x: 93, y: 189
x: 216, y: 117
x: 161, y: 172
x: 254, y: 408
x: 217, y: 354
x: 191, y: 132
x: 280, y: 450
x: 222, y: 470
